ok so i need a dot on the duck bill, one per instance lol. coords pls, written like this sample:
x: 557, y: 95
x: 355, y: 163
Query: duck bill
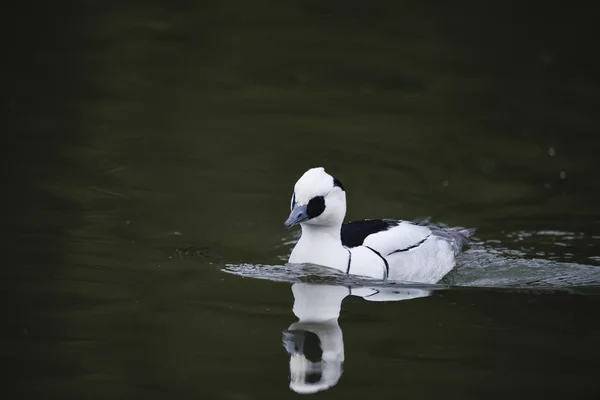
x: 298, y: 215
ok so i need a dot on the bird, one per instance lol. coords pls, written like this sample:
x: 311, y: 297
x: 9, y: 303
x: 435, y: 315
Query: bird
x: 385, y: 249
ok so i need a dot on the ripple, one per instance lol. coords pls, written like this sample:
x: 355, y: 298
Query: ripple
x: 308, y: 273
x: 490, y: 269
x: 489, y: 272
x: 532, y: 260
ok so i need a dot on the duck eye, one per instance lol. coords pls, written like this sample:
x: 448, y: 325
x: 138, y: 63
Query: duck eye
x: 293, y: 202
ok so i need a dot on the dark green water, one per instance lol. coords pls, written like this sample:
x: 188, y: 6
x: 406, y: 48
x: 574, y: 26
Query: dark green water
x: 147, y: 147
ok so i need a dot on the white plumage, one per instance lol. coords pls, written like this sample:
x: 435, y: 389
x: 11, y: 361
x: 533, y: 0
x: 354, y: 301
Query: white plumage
x: 387, y: 249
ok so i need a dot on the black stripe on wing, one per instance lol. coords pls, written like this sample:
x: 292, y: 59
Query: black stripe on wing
x: 355, y: 233
x: 410, y: 247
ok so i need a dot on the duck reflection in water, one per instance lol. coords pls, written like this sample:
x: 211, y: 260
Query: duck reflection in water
x: 315, y: 343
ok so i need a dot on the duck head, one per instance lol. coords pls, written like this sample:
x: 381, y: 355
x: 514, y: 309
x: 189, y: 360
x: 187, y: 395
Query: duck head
x: 318, y: 199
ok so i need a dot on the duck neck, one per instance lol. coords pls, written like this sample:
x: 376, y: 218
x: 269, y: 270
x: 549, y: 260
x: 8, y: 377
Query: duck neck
x: 329, y: 235
x: 320, y: 245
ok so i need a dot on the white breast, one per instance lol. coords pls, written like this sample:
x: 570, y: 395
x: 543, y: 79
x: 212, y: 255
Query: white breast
x: 319, y: 248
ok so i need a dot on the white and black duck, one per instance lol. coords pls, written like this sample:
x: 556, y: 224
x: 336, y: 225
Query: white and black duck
x: 386, y: 249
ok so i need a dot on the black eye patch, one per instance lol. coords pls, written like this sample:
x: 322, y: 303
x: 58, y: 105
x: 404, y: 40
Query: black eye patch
x: 315, y: 207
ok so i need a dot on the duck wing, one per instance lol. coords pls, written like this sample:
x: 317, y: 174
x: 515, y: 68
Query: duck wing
x: 388, y: 236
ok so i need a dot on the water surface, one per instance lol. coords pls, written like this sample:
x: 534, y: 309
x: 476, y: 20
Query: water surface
x: 150, y: 149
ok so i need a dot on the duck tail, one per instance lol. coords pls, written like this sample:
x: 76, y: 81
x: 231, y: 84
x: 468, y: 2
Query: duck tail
x: 462, y: 237
x: 458, y: 237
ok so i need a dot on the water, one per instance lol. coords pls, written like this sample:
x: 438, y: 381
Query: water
x: 150, y: 153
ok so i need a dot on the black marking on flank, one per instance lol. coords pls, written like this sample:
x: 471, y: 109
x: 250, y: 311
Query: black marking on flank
x: 354, y: 233
x: 387, y: 266
x: 349, y: 261
x: 336, y: 182
x: 410, y: 247
x: 315, y: 207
